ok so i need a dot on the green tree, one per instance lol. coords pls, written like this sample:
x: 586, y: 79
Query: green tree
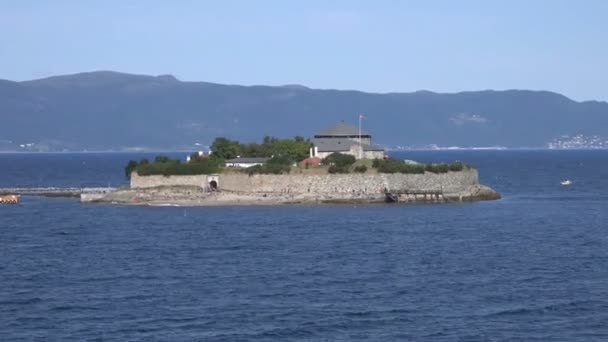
x: 339, y: 159
x: 161, y: 159
x: 295, y: 149
x: 226, y: 148
x: 131, y: 166
x: 256, y: 150
x: 169, y: 167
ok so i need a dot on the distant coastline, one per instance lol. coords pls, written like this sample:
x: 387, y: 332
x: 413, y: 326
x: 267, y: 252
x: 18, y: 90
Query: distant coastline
x: 390, y: 150
x: 101, y: 110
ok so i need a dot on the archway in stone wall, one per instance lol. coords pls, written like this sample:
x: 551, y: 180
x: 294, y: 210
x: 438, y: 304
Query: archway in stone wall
x: 213, y: 185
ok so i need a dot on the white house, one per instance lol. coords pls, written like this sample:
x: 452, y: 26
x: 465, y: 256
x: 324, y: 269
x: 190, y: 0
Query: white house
x: 245, y: 162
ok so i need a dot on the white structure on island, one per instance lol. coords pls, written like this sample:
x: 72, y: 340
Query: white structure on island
x: 245, y: 162
x: 346, y: 139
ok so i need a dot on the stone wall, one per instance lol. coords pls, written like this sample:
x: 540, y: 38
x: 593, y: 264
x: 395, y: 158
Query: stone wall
x: 138, y: 181
x: 321, y: 184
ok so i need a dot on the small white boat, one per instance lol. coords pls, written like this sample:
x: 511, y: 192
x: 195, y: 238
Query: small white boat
x: 566, y: 182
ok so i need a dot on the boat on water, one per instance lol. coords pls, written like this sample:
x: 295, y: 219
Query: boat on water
x: 566, y: 182
x: 9, y: 199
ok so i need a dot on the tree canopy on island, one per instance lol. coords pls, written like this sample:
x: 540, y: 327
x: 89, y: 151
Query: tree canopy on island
x: 166, y: 166
x: 283, y: 153
x: 339, y: 163
x: 294, y: 150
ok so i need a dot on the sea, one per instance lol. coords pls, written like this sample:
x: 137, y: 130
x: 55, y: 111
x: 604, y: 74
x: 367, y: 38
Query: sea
x: 532, y: 266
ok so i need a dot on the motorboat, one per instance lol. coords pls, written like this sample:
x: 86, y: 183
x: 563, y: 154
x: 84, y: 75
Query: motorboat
x: 566, y: 182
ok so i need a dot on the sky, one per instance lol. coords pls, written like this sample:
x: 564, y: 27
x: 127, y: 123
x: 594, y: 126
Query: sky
x: 374, y: 46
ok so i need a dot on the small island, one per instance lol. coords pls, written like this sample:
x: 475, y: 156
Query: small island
x: 338, y: 165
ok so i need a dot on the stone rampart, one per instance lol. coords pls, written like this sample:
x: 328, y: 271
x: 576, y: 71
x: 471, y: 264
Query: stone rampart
x: 319, y: 184
x: 138, y: 181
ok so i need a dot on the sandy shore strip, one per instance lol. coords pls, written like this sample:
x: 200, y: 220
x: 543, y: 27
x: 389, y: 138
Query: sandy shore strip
x: 192, y: 196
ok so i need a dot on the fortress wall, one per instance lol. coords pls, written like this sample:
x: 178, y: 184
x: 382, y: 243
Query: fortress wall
x: 321, y: 184
x: 138, y: 181
x: 348, y: 183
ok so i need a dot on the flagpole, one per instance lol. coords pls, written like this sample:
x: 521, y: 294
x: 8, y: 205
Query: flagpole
x: 360, y: 145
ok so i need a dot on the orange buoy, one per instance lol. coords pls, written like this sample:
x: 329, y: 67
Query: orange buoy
x: 9, y: 199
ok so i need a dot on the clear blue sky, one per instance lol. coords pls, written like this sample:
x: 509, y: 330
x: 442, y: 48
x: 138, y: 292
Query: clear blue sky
x: 379, y: 46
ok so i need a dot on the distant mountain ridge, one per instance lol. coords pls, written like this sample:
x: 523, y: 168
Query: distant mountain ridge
x: 111, y: 110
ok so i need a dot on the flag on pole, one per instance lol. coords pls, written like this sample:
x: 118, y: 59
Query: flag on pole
x: 360, y: 154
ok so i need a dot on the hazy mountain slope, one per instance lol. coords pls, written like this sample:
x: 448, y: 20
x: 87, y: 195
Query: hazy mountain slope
x: 110, y: 110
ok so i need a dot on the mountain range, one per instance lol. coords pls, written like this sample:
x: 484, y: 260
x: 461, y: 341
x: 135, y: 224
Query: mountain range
x: 107, y: 110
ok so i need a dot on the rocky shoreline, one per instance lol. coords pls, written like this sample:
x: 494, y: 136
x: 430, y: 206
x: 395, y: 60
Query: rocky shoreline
x: 57, y: 192
x: 195, y: 196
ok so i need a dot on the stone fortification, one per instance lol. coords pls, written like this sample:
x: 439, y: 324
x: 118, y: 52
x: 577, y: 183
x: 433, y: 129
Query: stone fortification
x: 140, y: 182
x: 238, y: 188
x: 451, y: 182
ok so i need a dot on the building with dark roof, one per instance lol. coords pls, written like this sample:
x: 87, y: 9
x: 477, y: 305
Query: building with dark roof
x: 345, y: 138
x: 345, y: 131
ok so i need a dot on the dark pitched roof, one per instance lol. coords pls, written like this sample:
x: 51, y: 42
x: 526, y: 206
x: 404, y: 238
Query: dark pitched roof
x: 342, y: 129
x: 341, y: 145
x: 247, y: 160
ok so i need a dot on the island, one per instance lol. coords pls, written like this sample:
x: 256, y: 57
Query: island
x: 338, y: 165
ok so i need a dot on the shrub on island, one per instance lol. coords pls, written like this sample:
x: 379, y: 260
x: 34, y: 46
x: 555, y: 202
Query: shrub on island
x: 360, y: 169
x: 165, y: 166
x: 274, y: 166
x: 339, y: 159
x: 295, y: 149
x: 337, y: 169
x: 437, y: 168
x: 339, y: 163
x: 399, y: 166
x: 458, y: 166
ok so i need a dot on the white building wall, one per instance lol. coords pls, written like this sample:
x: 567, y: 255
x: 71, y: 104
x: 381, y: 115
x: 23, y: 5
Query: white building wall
x: 242, y: 165
x: 367, y: 141
x: 355, y: 151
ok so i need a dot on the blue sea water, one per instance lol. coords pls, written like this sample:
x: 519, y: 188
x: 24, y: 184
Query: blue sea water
x: 530, y: 267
